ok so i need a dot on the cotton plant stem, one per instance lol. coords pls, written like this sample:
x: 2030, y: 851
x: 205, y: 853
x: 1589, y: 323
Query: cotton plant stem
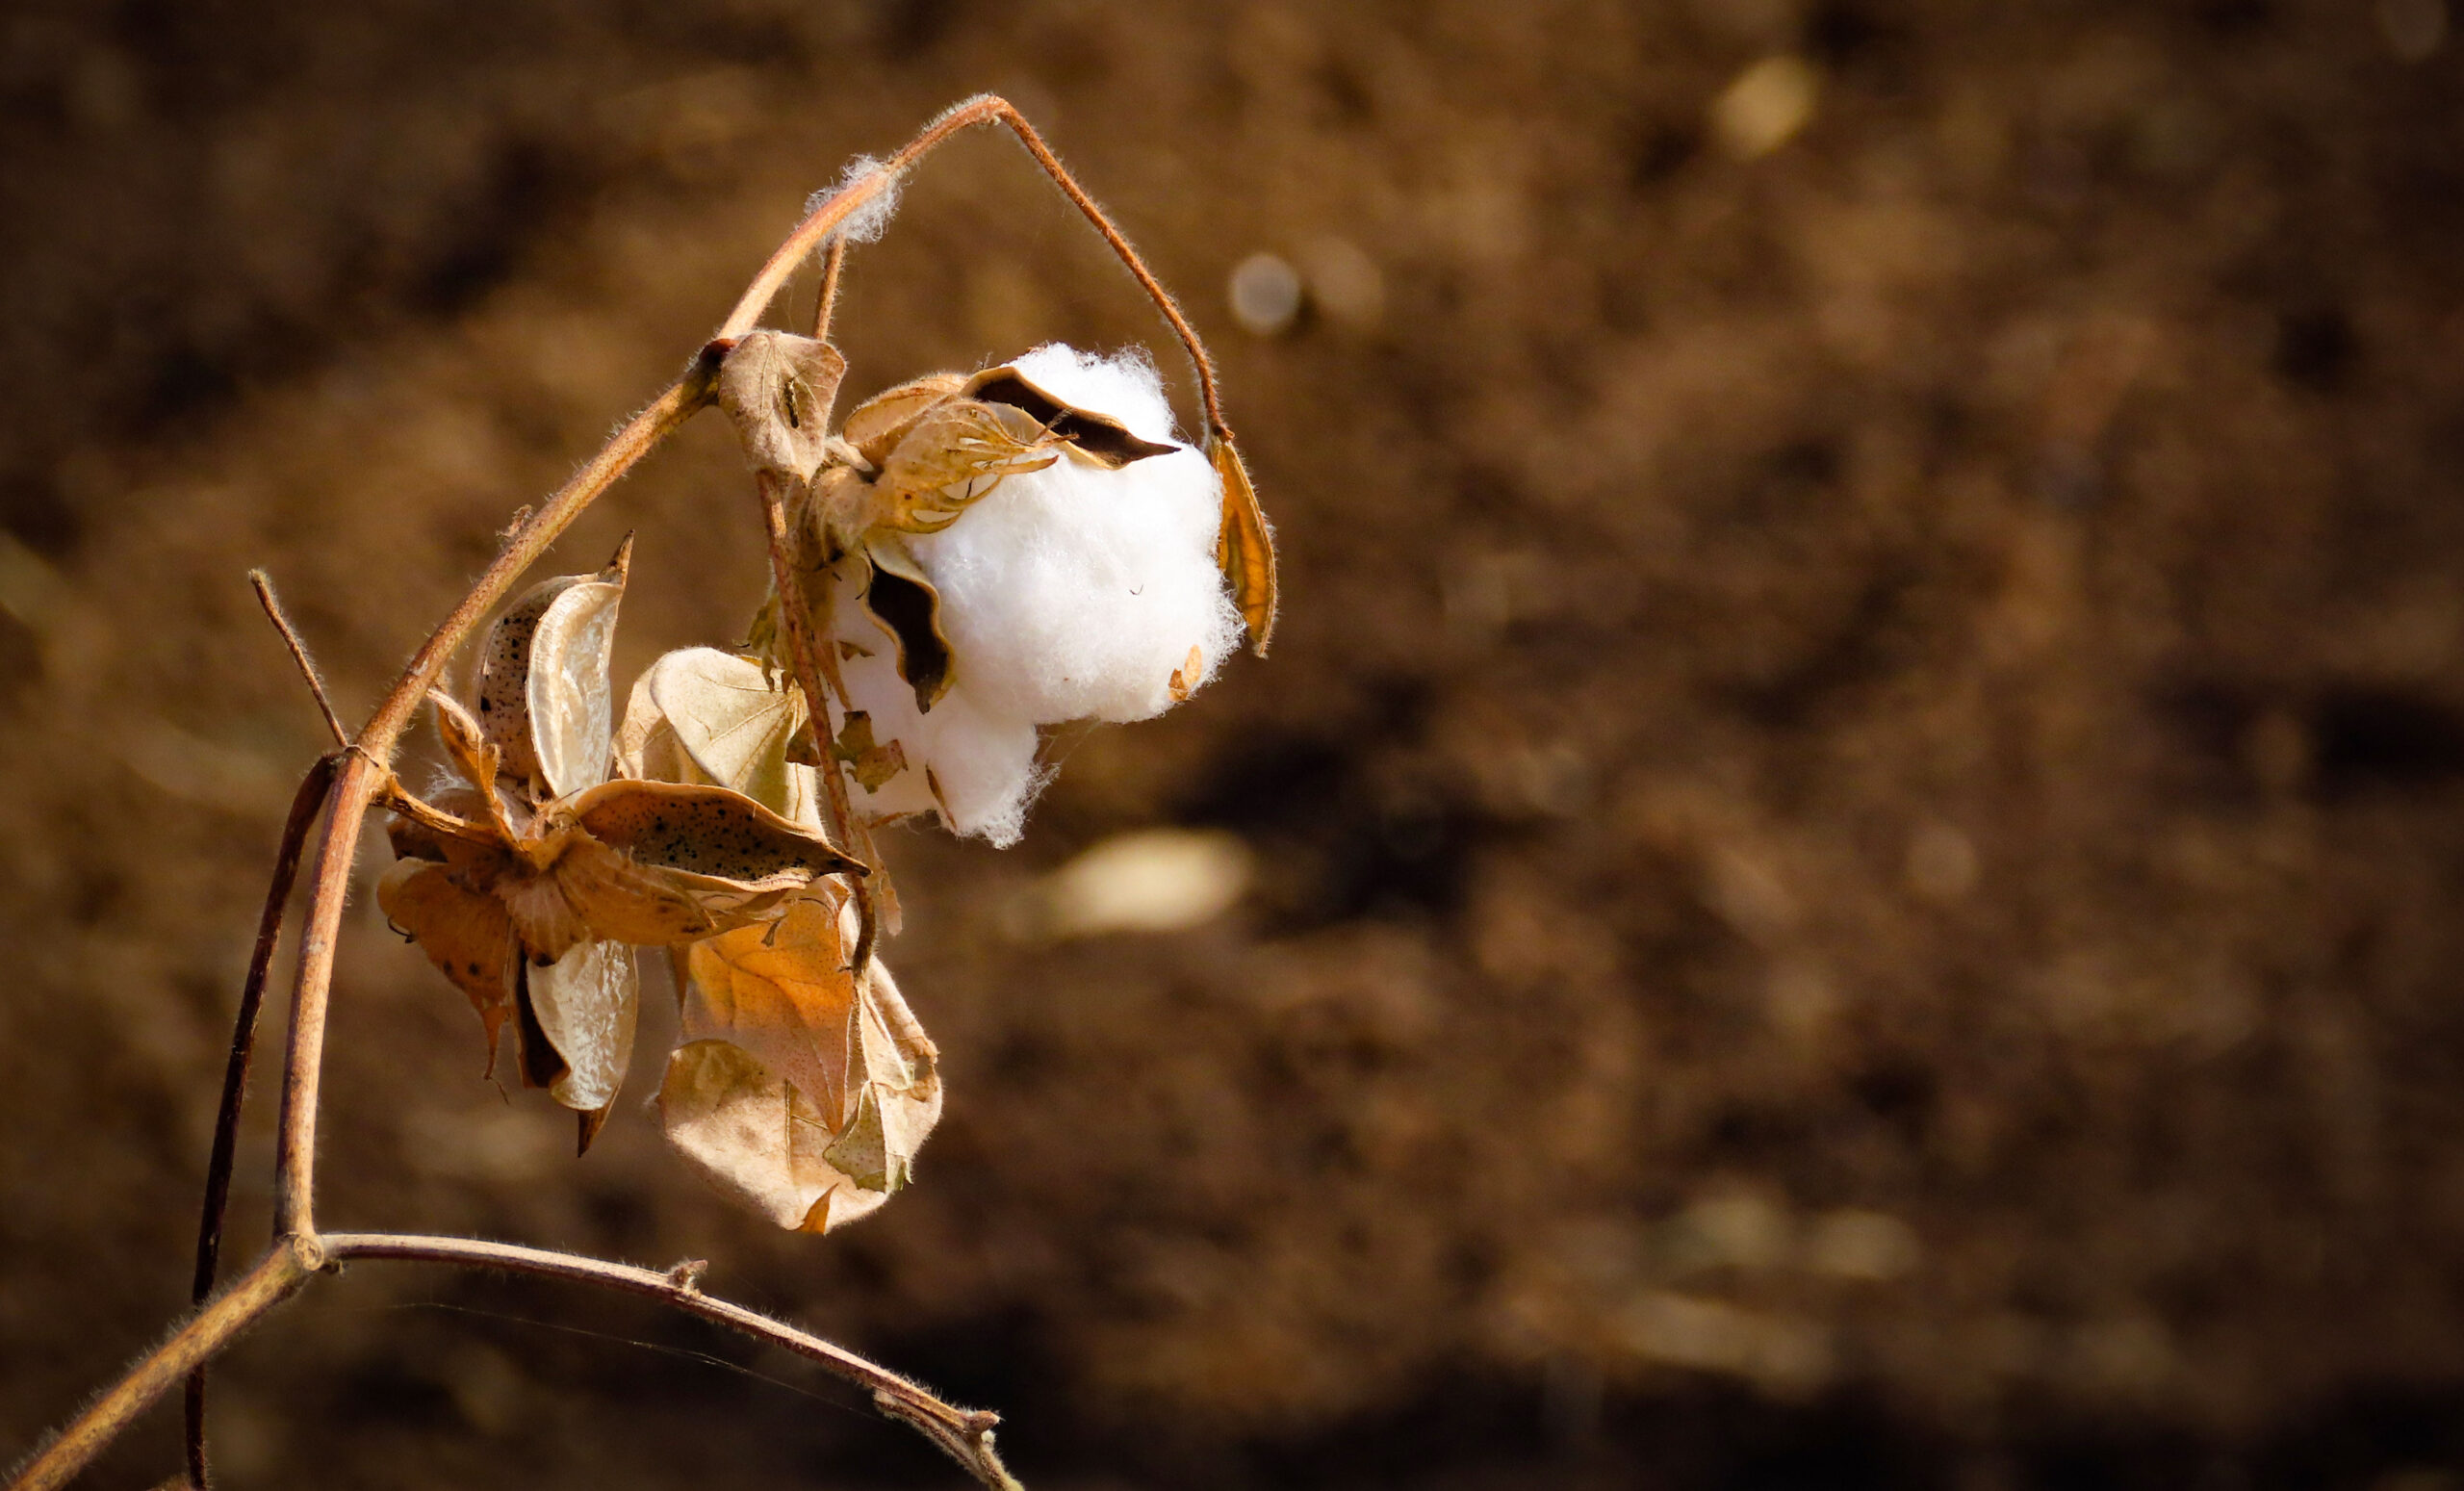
x: 825, y: 302
x: 965, y: 1435
x: 304, y: 808
x: 805, y: 661
x: 283, y: 1269
x: 822, y: 225
x: 365, y: 773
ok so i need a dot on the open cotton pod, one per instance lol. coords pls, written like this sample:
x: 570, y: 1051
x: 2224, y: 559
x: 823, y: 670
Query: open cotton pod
x: 532, y: 905
x: 1023, y: 547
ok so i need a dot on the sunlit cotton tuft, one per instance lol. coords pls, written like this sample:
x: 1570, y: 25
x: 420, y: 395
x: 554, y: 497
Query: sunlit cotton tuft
x: 1071, y: 593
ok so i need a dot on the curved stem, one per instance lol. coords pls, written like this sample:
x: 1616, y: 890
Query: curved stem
x: 965, y: 1435
x: 823, y: 222
x: 364, y: 774
x: 304, y: 808
x: 273, y: 1280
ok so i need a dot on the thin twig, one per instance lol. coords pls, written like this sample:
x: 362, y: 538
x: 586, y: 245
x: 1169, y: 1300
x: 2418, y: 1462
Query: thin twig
x: 283, y: 1269
x: 965, y: 1435
x: 362, y: 774
x: 272, y: 605
x: 804, y: 662
x: 305, y: 804
x: 826, y: 304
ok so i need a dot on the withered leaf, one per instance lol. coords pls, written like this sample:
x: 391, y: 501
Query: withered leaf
x: 778, y: 389
x: 733, y: 718
x: 796, y: 1091
x: 871, y: 764
x: 468, y: 936
x: 784, y: 993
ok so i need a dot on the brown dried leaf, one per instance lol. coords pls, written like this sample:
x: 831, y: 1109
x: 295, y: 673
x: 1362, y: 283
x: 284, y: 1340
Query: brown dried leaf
x: 755, y: 1138
x: 782, y: 992
x: 793, y: 1090
x: 778, y: 389
x: 468, y: 936
x: 732, y: 719
x: 871, y: 764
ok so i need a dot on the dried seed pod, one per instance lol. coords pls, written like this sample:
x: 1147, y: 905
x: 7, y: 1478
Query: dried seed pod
x: 537, y: 702
x: 534, y: 907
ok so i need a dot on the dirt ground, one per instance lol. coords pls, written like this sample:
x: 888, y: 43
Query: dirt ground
x: 1856, y: 808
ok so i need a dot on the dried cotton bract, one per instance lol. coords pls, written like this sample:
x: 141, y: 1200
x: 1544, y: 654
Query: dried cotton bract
x: 529, y: 882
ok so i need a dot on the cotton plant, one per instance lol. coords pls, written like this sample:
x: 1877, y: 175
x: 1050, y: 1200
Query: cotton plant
x: 968, y: 560
x: 995, y: 553
x: 531, y: 876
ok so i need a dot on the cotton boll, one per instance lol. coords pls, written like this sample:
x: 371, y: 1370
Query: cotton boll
x: 1078, y: 593
x: 984, y: 762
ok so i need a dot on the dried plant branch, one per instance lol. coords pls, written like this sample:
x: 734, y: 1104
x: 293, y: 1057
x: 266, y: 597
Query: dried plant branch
x: 826, y: 302
x: 360, y: 775
x: 809, y: 669
x: 305, y: 804
x: 272, y: 604
x: 273, y: 1280
x: 966, y: 1435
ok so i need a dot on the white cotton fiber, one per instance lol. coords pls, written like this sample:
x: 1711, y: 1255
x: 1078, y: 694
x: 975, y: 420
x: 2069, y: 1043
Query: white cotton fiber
x: 871, y: 217
x: 1077, y: 593
x: 1073, y: 593
x: 984, y: 762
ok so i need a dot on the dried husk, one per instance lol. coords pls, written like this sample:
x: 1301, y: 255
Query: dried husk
x: 795, y: 1090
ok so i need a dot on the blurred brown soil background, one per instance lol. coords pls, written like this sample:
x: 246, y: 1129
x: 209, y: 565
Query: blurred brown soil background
x: 1856, y: 809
